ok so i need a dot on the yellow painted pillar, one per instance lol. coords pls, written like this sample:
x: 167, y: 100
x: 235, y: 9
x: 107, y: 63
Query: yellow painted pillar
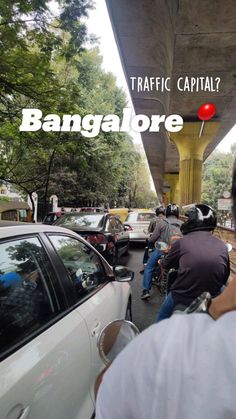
x: 165, y: 199
x: 191, y: 149
x: 172, y: 179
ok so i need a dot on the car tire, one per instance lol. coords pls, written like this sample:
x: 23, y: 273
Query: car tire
x: 128, y: 315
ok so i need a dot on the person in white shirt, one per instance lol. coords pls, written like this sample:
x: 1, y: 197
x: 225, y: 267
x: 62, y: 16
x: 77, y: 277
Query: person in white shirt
x: 181, y: 368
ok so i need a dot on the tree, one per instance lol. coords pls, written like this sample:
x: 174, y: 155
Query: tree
x: 45, y: 65
x: 97, y: 169
x: 140, y: 193
x: 217, y: 175
x: 30, y: 39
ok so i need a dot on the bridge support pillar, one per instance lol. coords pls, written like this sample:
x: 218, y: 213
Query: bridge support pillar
x: 191, y: 149
x: 172, y: 180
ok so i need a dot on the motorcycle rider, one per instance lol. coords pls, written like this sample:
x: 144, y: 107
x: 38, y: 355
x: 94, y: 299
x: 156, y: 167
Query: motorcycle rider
x: 183, y: 367
x: 161, y: 233
x: 201, y: 261
x: 160, y: 213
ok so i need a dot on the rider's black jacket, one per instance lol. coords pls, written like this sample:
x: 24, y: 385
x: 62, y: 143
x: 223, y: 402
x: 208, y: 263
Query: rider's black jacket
x: 202, y: 264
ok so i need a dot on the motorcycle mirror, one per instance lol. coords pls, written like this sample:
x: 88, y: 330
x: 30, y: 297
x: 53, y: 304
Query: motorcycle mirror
x: 114, y: 337
x: 229, y: 246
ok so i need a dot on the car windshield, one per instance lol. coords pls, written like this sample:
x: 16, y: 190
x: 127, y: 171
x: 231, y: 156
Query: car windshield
x: 84, y: 220
x: 50, y: 218
x: 133, y: 217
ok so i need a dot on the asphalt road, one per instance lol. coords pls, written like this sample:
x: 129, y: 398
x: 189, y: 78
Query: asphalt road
x: 144, y: 312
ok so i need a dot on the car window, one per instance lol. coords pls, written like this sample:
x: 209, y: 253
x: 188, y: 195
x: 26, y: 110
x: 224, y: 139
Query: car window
x: 132, y: 217
x: 145, y: 216
x: 25, y: 301
x: 83, y: 265
x: 88, y: 221
x: 119, y: 225
x: 50, y: 218
x: 140, y: 216
x: 111, y: 226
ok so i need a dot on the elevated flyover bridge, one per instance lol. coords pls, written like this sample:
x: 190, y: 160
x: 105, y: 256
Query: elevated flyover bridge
x: 179, y: 42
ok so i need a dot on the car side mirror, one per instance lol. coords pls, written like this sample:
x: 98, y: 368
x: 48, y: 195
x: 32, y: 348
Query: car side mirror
x: 123, y: 274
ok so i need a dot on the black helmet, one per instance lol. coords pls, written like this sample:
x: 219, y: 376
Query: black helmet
x: 200, y: 217
x: 160, y: 210
x: 172, y: 209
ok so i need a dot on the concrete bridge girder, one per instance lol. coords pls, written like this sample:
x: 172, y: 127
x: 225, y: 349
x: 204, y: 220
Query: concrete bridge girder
x: 177, y: 38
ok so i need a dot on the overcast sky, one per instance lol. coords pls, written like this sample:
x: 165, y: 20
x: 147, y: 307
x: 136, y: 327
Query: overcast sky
x: 99, y: 24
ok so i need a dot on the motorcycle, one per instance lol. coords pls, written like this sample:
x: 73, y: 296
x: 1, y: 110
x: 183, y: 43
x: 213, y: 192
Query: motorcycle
x: 162, y: 278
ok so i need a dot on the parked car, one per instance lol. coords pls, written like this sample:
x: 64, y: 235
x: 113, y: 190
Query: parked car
x: 56, y: 294
x: 102, y: 230
x: 137, y: 222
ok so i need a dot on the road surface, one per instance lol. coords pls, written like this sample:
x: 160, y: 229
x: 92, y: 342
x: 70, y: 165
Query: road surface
x: 144, y: 312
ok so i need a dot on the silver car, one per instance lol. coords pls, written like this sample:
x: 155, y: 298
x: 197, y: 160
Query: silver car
x: 56, y: 294
x: 138, y: 223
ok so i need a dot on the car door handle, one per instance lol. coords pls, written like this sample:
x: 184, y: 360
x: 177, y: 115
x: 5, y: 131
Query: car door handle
x: 96, y: 329
x: 24, y: 413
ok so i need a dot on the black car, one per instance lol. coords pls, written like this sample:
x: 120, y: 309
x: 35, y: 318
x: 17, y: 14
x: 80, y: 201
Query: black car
x: 104, y: 231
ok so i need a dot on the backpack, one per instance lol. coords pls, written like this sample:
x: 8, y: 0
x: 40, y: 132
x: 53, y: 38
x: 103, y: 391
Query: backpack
x: 172, y: 232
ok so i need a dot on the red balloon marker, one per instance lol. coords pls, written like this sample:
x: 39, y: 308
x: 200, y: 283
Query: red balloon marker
x: 205, y: 113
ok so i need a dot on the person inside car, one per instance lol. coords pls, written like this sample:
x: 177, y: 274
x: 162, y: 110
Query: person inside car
x: 183, y: 367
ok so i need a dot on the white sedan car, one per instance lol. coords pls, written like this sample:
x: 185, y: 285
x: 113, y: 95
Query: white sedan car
x: 137, y: 223
x: 56, y: 294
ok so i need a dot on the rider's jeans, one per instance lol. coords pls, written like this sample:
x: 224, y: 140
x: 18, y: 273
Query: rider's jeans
x: 150, y: 268
x: 166, y: 308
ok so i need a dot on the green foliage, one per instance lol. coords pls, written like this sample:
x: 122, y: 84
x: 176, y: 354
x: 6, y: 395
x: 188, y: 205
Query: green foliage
x: 140, y: 194
x: 4, y: 199
x: 217, y: 176
x: 43, y: 64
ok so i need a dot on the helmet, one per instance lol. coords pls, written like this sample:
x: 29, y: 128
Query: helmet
x: 200, y: 217
x: 172, y: 209
x: 160, y: 210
